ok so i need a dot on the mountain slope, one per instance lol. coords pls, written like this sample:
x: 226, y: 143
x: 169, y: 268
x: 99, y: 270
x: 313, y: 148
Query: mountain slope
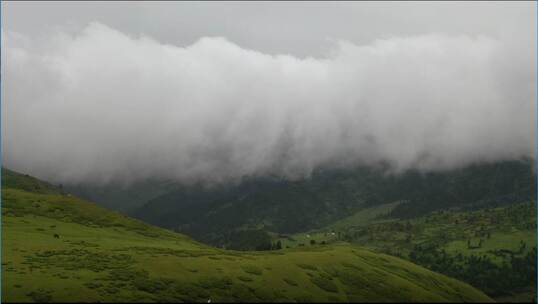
x: 212, y: 215
x: 493, y: 249
x: 56, y: 247
x: 124, y: 198
x: 12, y: 179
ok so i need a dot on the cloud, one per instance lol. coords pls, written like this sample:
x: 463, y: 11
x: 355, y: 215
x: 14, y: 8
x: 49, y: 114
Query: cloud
x: 100, y: 106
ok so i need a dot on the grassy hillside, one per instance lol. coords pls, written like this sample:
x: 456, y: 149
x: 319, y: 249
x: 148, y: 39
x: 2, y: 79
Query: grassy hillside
x: 56, y: 247
x: 493, y: 249
x: 365, y: 217
x: 12, y: 179
x: 334, y: 232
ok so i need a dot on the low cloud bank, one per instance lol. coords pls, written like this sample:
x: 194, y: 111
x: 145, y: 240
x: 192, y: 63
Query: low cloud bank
x: 101, y: 106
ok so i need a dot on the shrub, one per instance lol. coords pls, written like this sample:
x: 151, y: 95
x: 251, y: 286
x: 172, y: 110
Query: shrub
x: 215, y: 282
x: 307, y: 267
x: 189, y: 292
x: 245, y: 278
x: 324, y: 284
x: 242, y: 293
x: 290, y: 282
x: 349, y: 265
x: 352, y: 278
x: 40, y: 295
x: 149, y: 285
x: 265, y: 294
x: 252, y: 269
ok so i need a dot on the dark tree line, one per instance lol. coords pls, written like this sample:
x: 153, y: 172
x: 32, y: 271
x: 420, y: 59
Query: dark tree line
x: 480, y: 271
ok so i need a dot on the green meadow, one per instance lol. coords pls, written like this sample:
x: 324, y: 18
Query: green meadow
x: 335, y: 231
x: 57, y: 247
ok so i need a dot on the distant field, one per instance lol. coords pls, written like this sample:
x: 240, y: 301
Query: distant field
x: 59, y: 248
x: 510, y: 241
x: 366, y: 217
x: 332, y: 233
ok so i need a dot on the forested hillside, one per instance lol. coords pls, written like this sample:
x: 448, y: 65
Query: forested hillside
x: 272, y: 205
x: 493, y: 249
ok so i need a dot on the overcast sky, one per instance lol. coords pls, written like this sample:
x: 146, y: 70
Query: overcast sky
x: 101, y: 91
x: 297, y: 28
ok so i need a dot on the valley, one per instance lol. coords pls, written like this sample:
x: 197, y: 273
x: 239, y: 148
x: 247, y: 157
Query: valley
x: 477, y: 224
x: 57, y: 247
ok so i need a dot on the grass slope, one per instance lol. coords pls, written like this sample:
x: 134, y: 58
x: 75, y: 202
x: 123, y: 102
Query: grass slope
x: 12, y: 179
x: 367, y: 216
x: 492, y: 249
x: 334, y: 232
x: 104, y: 256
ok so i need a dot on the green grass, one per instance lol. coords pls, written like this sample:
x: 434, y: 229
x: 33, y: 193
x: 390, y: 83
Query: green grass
x: 12, y: 179
x: 105, y: 256
x: 499, y: 240
x: 498, y: 228
x: 365, y: 217
x: 331, y: 233
x: 450, y: 242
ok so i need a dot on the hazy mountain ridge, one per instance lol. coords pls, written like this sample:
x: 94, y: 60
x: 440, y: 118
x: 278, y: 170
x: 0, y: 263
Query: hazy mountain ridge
x: 295, y: 206
x: 124, y: 198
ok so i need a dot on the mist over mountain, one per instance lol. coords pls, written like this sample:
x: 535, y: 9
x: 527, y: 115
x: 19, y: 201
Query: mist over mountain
x: 99, y: 106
